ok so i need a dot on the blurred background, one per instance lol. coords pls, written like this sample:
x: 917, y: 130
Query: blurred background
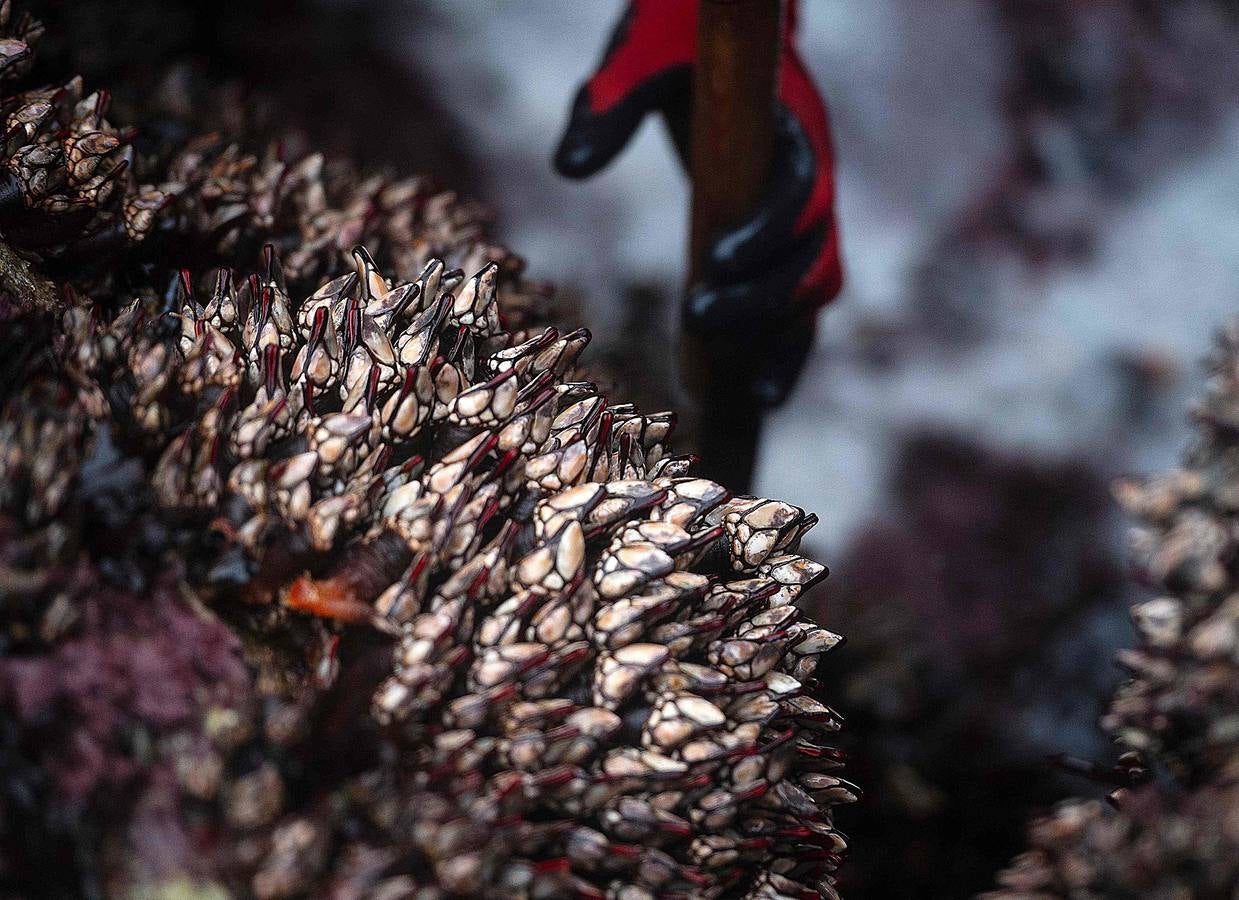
x: 1039, y: 205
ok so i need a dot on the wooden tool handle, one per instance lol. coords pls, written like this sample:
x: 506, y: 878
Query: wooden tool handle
x: 734, y: 85
x: 731, y: 147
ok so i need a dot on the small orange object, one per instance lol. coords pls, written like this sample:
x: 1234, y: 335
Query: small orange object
x: 331, y: 598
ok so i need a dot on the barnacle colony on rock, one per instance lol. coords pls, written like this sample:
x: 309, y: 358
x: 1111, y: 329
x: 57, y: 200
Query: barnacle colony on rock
x: 1172, y: 830
x: 498, y: 640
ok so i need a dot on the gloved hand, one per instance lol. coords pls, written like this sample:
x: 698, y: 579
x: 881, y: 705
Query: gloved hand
x: 768, y: 275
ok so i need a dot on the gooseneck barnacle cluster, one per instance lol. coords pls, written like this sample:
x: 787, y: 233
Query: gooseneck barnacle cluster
x: 1170, y: 829
x: 382, y: 596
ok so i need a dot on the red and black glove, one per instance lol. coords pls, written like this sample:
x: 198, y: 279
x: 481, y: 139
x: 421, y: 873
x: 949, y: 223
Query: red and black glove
x: 768, y: 276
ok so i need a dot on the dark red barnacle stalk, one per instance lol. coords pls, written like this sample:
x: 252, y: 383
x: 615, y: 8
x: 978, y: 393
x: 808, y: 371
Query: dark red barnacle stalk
x: 340, y: 577
x: 1169, y: 826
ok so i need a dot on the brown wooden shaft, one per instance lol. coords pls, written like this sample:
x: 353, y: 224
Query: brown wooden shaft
x: 734, y: 84
x: 730, y: 152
